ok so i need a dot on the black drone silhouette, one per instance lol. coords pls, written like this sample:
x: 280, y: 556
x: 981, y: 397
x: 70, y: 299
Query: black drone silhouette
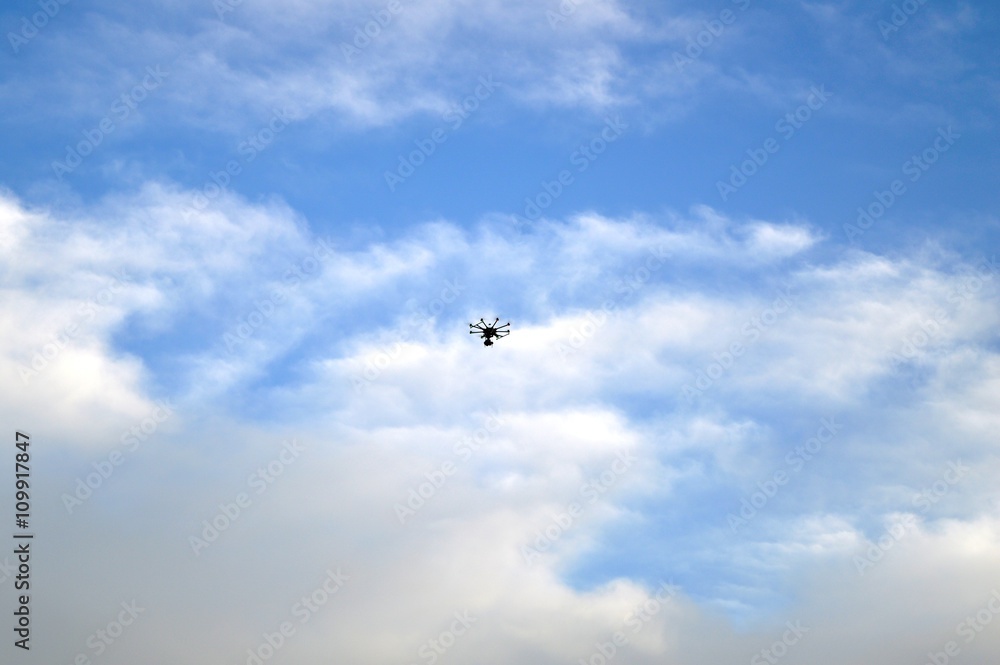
x: 489, y: 330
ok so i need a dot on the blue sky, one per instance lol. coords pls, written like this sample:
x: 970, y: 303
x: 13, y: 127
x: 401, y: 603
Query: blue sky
x: 748, y: 247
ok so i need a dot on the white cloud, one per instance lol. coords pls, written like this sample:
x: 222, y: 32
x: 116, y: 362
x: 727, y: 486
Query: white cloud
x: 565, y: 421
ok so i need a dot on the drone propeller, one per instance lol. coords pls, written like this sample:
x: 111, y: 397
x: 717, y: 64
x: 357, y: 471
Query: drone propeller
x: 489, y: 331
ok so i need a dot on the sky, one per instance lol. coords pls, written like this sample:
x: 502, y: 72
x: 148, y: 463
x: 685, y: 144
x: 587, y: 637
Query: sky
x: 748, y: 409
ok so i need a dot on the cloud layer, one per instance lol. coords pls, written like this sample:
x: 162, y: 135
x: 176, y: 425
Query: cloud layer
x: 617, y: 423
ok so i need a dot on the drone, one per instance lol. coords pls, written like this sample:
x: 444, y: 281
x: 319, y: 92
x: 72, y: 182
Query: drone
x: 489, y: 330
